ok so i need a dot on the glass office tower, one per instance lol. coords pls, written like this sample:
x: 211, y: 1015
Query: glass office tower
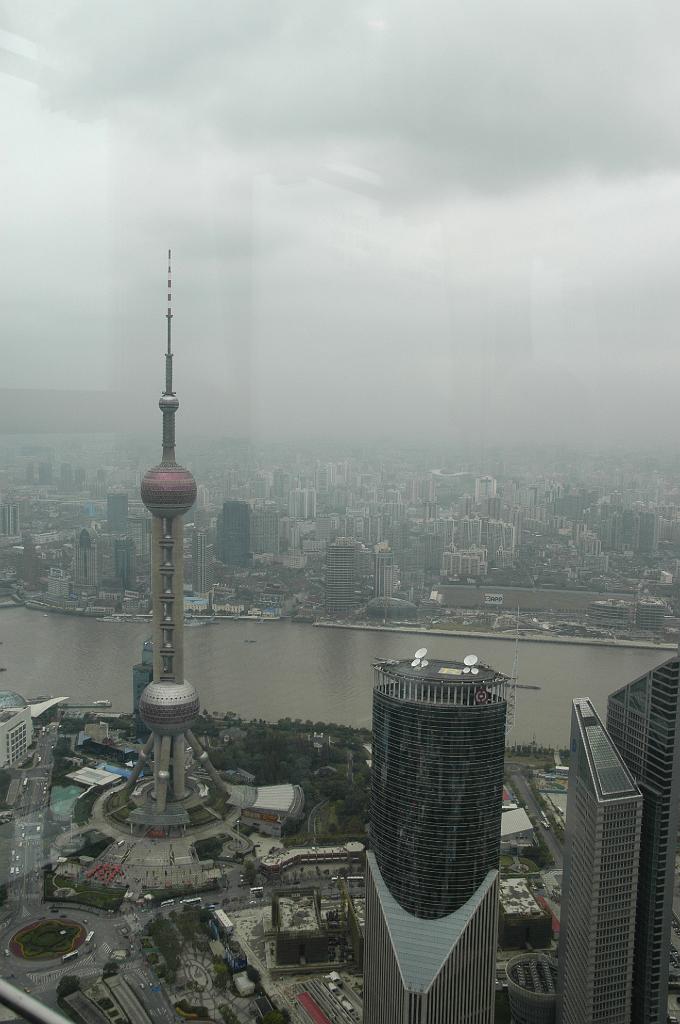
x: 599, y: 886
x: 437, y: 789
x: 643, y: 720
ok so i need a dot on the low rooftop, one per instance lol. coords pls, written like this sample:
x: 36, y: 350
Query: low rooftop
x: 298, y: 912
x: 517, y: 899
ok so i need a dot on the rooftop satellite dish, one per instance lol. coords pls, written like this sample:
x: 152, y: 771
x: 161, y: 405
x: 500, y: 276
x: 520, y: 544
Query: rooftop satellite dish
x: 421, y: 652
x: 470, y: 659
x: 475, y: 671
x: 415, y: 663
x: 465, y: 671
x: 424, y: 662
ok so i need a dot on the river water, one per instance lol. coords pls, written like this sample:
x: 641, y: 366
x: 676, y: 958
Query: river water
x: 299, y: 671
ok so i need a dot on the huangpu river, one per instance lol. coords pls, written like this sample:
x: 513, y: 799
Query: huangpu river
x: 299, y: 671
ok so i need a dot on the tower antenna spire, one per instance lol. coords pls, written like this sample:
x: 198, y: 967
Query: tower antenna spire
x: 168, y: 317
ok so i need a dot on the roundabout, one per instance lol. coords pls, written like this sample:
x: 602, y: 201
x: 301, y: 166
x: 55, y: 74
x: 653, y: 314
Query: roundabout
x: 47, y: 939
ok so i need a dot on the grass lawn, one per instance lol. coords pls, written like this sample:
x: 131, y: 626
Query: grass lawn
x: 529, y: 865
x: 43, y: 940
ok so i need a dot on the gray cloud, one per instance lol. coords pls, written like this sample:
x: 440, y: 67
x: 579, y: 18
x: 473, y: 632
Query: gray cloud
x: 383, y: 219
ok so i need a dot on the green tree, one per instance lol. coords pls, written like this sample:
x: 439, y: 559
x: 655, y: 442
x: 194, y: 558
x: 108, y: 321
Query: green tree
x: 222, y: 976
x: 69, y: 984
x: 249, y: 871
x: 274, y: 1017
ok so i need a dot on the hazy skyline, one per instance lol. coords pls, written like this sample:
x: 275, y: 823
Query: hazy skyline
x: 393, y: 220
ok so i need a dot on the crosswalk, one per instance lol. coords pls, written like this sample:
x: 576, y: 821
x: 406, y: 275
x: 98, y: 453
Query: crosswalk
x: 85, y: 967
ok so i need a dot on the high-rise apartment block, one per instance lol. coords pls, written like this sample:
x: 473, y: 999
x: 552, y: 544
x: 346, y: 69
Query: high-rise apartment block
x: 600, y: 882
x: 302, y: 503
x: 9, y: 519
x: 117, y: 513
x: 86, y: 559
x: 341, y: 576
x: 233, y: 534
x: 435, y: 828
x: 643, y: 720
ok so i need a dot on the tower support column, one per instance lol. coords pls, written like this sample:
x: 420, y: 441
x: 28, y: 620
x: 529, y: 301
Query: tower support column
x: 143, y: 757
x: 178, y: 766
x: 163, y: 772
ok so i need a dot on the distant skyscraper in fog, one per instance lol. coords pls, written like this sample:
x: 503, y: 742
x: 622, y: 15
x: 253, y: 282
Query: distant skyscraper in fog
x: 125, y: 561
x: 384, y: 571
x: 435, y: 828
x: 9, y: 519
x: 341, y: 576
x: 485, y: 488
x: 600, y: 880
x: 86, y: 559
x: 200, y: 574
x: 302, y: 503
x: 117, y: 513
x: 264, y: 530
x: 142, y: 675
x: 233, y: 534
x: 643, y: 720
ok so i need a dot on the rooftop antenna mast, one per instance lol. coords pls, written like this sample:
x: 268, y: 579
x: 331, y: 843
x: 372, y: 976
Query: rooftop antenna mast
x: 168, y: 317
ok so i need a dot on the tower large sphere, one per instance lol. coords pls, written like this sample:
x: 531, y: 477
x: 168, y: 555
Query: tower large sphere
x: 169, y: 709
x: 168, y: 490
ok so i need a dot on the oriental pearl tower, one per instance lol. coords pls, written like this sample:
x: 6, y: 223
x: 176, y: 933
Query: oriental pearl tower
x: 169, y: 704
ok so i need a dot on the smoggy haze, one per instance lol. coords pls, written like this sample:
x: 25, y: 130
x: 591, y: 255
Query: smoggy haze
x: 393, y: 219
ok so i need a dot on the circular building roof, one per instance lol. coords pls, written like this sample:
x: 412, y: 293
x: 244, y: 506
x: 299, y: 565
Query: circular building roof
x: 10, y: 699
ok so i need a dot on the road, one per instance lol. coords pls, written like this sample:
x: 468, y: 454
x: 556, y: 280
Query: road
x: 313, y: 816
x: 523, y: 788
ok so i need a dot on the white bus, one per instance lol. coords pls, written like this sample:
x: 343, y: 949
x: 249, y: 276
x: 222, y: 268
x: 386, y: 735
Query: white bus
x: 191, y: 901
x: 167, y: 903
x: 70, y: 956
x: 89, y: 937
x: 257, y: 891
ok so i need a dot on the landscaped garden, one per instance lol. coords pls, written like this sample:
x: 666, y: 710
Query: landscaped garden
x: 47, y: 939
x: 66, y: 891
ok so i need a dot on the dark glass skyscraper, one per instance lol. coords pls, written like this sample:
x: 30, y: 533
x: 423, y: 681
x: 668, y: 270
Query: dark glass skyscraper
x: 435, y: 829
x: 234, y: 534
x: 117, y: 513
x: 643, y: 720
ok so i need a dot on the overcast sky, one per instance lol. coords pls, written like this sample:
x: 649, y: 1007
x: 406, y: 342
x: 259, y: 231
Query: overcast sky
x: 387, y: 219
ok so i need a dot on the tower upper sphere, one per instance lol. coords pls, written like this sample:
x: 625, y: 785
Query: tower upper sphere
x: 168, y: 490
